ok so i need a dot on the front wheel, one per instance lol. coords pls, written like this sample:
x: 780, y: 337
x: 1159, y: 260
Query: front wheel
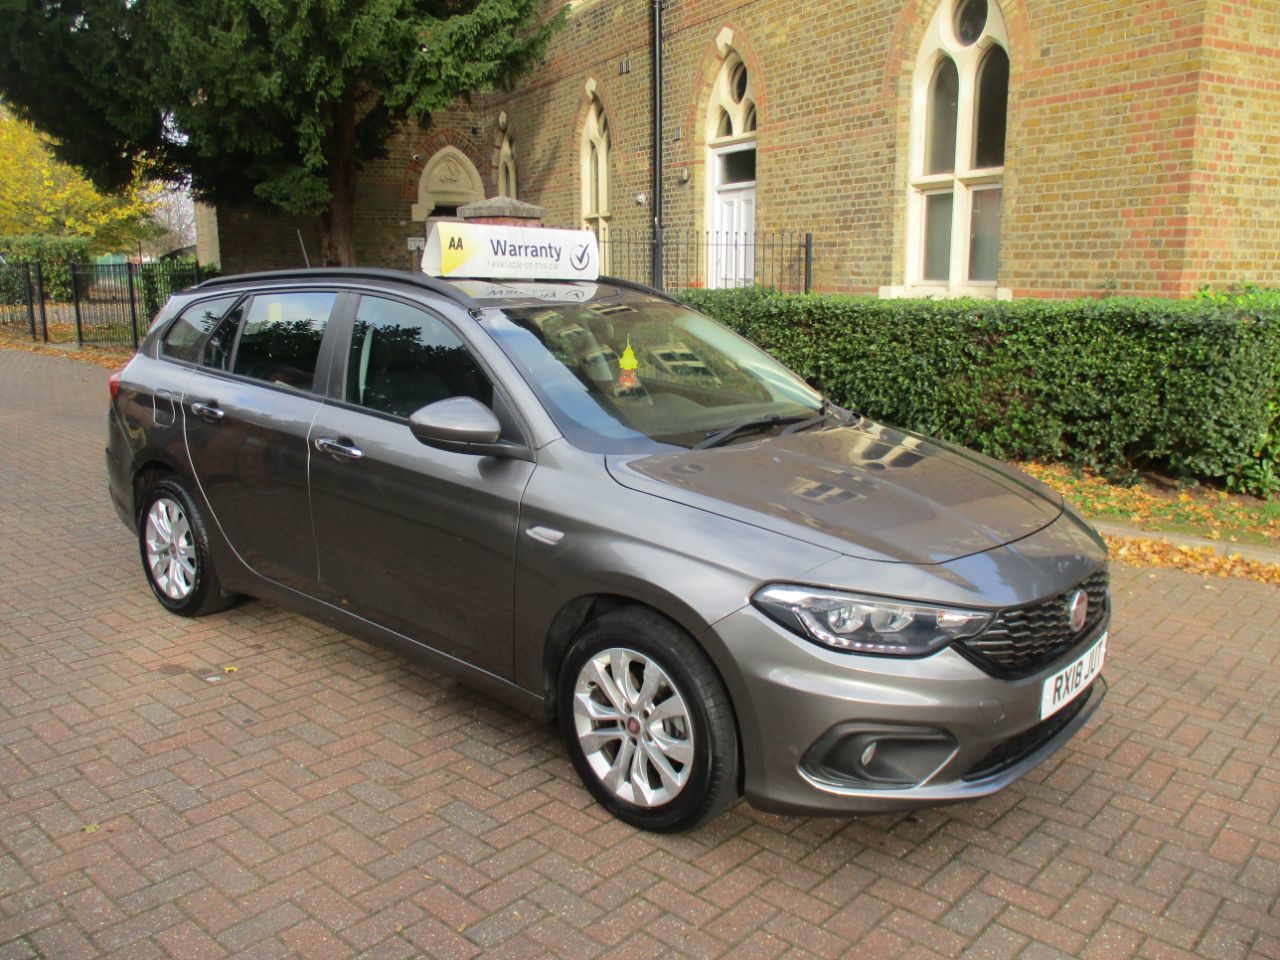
x: 175, y: 552
x: 648, y: 723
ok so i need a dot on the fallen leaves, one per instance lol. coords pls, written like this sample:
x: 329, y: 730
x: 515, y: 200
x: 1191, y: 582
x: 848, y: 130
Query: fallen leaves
x: 1202, y: 511
x: 108, y: 357
x: 1206, y: 561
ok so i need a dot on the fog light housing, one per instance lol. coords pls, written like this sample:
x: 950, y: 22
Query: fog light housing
x: 878, y: 756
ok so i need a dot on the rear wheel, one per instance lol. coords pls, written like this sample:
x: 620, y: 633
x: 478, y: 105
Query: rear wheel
x: 174, y: 543
x: 647, y: 722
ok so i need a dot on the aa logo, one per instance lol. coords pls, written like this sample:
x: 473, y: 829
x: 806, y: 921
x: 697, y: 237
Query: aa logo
x: 454, y: 254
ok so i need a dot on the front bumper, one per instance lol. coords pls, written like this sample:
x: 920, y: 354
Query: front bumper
x: 797, y: 703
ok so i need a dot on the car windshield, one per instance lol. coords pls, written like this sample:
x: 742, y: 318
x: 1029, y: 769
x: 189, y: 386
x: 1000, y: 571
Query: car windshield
x: 623, y: 377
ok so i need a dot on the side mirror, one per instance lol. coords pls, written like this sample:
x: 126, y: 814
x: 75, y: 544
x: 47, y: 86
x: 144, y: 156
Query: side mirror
x: 455, y: 424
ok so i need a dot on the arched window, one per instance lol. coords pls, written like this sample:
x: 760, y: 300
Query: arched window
x: 595, y: 174
x: 960, y: 101
x: 733, y: 100
x: 731, y: 175
x: 507, y: 168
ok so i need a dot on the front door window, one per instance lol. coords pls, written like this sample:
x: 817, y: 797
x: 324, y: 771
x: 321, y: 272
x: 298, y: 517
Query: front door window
x: 402, y: 359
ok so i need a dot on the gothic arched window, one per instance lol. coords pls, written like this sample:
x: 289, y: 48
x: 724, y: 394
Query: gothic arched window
x: 958, y: 121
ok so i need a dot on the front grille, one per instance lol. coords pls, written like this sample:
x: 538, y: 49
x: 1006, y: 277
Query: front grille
x: 1015, y: 749
x: 1023, y: 640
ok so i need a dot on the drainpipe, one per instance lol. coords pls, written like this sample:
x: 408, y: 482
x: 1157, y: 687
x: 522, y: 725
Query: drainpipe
x: 656, y: 77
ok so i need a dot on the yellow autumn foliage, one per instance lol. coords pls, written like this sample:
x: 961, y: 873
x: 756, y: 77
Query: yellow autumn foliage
x: 40, y: 195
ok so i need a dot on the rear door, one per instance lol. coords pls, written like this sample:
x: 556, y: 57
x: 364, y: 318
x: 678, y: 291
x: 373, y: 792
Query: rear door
x: 247, y: 411
x: 418, y: 540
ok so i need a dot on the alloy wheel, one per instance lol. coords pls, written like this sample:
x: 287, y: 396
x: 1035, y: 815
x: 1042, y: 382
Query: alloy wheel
x: 633, y: 726
x: 170, y: 549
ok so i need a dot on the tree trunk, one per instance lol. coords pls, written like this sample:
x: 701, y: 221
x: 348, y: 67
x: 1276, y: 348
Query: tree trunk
x: 339, y: 222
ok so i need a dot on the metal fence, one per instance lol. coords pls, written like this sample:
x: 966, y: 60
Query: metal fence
x: 112, y: 304
x: 690, y: 259
x: 100, y: 304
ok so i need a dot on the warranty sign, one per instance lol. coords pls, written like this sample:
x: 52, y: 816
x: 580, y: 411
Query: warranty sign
x: 486, y: 252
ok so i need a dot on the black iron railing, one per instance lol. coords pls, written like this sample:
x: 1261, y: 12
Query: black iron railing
x: 112, y: 304
x: 100, y: 304
x: 690, y: 259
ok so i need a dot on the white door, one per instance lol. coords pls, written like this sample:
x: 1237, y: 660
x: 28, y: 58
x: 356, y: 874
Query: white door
x: 731, y: 254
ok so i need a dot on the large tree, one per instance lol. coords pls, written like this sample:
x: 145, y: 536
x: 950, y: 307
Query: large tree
x: 267, y: 102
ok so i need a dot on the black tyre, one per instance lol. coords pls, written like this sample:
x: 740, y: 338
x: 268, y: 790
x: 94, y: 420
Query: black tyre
x: 648, y: 723
x: 174, y: 544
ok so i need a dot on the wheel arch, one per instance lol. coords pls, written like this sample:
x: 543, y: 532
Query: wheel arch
x: 159, y: 467
x: 569, y: 619
x: 149, y: 472
x: 581, y: 610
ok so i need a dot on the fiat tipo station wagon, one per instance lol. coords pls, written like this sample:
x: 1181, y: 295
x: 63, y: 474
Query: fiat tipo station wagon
x: 599, y: 505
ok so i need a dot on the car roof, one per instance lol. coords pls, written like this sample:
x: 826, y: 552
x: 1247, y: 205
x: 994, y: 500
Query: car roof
x: 471, y: 294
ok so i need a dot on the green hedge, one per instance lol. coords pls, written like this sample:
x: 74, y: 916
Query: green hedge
x: 1116, y: 384
x: 55, y: 256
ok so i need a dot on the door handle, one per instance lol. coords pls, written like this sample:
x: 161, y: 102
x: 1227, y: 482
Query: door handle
x: 339, y: 448
x: 208, y: 411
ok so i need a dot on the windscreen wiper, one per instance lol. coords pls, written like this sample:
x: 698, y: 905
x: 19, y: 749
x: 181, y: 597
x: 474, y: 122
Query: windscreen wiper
x: 806, y: 423
x: 828, y: 411
x: 825, y: 413
x: 720, y: 437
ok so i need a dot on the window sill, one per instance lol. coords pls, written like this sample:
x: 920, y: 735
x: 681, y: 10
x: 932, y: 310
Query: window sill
x: 938, y: 291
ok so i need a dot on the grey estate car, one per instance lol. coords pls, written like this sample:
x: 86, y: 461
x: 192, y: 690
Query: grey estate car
x: 715, y: 580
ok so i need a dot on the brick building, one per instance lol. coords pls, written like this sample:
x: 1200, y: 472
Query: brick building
x: 996, y: 147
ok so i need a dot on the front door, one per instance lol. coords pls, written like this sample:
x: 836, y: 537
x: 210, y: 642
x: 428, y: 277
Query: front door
x: 247, y: 412
x: 418, y: 540
x: 733, y: 218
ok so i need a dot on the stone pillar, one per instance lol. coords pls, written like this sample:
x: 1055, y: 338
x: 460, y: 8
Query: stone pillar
x: 502, y: 211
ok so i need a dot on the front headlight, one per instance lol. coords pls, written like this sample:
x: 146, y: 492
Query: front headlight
x: 858, y: 624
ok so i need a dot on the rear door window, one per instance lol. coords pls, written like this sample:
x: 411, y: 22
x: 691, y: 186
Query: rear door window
x: 402, y: 358
x: 186, y: 335
x: 280, y: 342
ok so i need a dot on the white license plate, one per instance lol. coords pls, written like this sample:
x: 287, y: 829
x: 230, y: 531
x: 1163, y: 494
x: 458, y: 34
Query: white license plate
x: 1073, y: 680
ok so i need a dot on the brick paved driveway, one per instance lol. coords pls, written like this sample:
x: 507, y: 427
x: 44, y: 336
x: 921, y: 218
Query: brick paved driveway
x: 329, y: 799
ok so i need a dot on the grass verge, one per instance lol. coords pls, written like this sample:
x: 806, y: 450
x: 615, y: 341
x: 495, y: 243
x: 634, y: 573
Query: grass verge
x: 1162, y: 507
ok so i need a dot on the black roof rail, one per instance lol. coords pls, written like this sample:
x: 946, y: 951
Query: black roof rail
x: 345, y: 273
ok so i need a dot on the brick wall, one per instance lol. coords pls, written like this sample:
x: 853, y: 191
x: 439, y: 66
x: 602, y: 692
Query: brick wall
x: 1141, y: 138
x: 1102, y: 147
x: 1234, y: 208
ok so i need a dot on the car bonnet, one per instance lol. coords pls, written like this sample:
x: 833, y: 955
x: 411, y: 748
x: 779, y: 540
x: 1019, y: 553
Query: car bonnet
x: 866, y: 491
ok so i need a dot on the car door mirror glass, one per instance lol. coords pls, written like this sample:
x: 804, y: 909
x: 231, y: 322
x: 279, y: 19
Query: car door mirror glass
x: 455, y: 423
